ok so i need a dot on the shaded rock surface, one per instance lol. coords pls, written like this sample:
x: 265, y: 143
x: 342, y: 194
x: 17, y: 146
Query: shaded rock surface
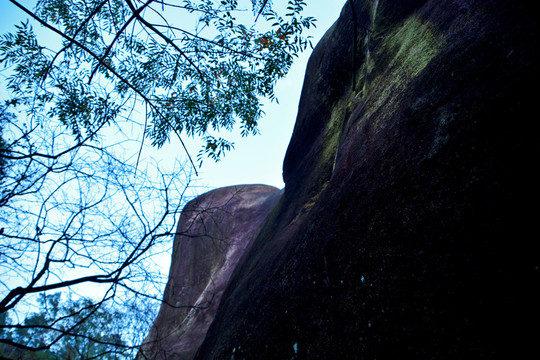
x: 214, y: 231
x: 405, y: 228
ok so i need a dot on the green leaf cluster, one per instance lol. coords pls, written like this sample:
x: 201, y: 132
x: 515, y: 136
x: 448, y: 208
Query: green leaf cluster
x: 4, y: 115
x: 67, y: 329
x: 196, y: 81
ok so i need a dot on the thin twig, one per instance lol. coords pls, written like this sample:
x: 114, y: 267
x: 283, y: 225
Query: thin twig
x: 167, y: 40
x: 109, y: 48
x: 120, y: 77
x: 88, y: 18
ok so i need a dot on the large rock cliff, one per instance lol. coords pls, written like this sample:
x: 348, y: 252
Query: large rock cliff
x: 214, y: 231
x: 406, y: 225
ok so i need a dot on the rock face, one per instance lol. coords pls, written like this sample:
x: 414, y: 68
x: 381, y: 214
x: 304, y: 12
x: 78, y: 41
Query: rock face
x: 405, y: 226
x: 214, y: 231
x: 404, y: 230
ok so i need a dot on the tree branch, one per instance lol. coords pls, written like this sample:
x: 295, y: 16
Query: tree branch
x: 109, y: 48
x: 120, y: 77
x: 166, y: 39
x: 88, y: 18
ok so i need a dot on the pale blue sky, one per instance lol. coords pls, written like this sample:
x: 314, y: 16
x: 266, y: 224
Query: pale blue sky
x: 255, y: 159
x: 259, y: 159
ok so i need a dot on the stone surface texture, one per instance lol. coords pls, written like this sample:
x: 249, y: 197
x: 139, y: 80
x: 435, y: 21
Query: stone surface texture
x: 214, y: 231
x: 407, y: 225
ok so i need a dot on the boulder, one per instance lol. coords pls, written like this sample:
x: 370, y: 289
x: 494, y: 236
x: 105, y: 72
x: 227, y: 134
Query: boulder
x: 214, y: 231
x: 405, y: 226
